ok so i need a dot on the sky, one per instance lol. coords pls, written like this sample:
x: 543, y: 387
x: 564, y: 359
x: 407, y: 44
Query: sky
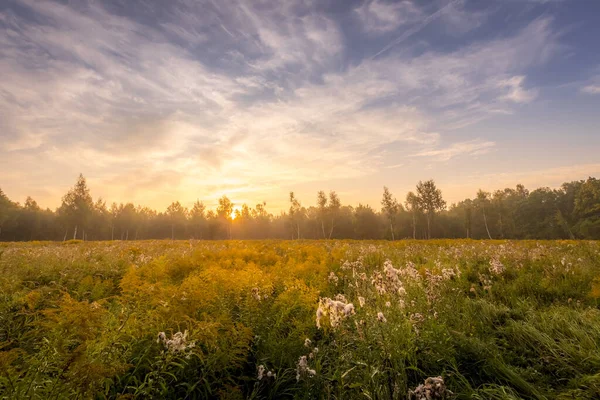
x: 158, y: 101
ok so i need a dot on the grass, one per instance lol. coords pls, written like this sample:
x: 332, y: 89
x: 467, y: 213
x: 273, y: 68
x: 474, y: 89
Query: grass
x: 494, y: 319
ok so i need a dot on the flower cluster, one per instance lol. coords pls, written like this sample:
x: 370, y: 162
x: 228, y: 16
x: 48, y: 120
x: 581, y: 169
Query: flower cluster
x: 333, y: 278
x: 390, y: 281
x: 336, y: 310
x: 450, y: 273
x: 496, y: 267
x: 261, y: 373
x: 433, y: 388
x: 303, y: 370
x: 177, y: 343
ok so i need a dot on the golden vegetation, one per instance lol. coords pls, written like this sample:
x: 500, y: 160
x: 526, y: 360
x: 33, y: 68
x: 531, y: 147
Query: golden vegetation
x: 311, y: 319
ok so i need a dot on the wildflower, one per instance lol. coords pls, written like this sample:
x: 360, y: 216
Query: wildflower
x: 307, y: 342
x: 349, y: 309
x: 320, y: 314
x: 433, y: 388
x: 177, y: 343
x: 381, y: 317
x: 361, y: 301
x: 388, y: 304
x: 303, y: 370
x: 256, y: 294
x: 341, y: 297
x: 333, y: 278
x: 336, y: 311
x: 496, y: 267
x: 261, y: 373
x: 448, y: 273
x: 417, y: 317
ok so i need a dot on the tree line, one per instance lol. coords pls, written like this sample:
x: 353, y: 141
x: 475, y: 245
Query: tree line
x: 570, y: 212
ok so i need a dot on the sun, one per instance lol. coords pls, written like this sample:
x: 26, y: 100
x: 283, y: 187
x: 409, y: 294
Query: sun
x: 232, y: 214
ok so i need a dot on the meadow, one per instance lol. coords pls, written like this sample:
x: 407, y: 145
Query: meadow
x: 300, y: 319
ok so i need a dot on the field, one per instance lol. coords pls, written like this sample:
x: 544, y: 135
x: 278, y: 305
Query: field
x: 300, y: 319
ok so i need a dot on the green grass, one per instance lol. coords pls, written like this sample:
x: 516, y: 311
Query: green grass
x: 495, y: 319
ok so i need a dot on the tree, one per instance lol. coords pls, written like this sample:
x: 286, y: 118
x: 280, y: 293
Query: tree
x: 333, y: 210
x: 430, y: 201
x: 322, y: 209
x: 76, y: 208
x: 498, y: 201
x: 113, y: 213
x: 30, y: 219
x: 177, y: 215
x: 198, y: 219
x: 100, y: 219
x: 413, y: 204
x: 126, y: 219
x: 296, y: 215
x: 390, y: 208
x: 483, y: 199
x: 366, y: 222
x: 6, y: 210
x: 225, y: 211
x: 587, y: 208
x: 261, y: 221
x: 468, y: 206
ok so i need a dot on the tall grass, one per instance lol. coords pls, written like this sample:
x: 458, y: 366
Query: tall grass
x: 496, y: 320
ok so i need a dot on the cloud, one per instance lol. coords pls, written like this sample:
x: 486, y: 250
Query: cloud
x: 244, y: 98
x: 516, y: 93
x: 591, y: 89
x: 380, y: 16
x: 471, y: 148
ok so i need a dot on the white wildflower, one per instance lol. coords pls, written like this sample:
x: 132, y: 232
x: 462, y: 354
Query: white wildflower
x: 361, y: 301
x: 307, y: 342
x: 496, y: 267
x: 349, y: 309
x: 261, y: 371
x: 341, y: 297
x: 433, y: 388
x: 334, y: 309
x: 177, y: 343
x: 333, y: 278
x: 381, y: 317
x: 303, y: 370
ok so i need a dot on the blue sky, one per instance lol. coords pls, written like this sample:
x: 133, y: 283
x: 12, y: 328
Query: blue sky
x: 157, y: 101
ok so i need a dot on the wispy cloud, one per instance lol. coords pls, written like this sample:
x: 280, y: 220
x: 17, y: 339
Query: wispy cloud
x: 472, y: 147
x: 516, y: 92
x: 379, y: 16
x: 244, y: 97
